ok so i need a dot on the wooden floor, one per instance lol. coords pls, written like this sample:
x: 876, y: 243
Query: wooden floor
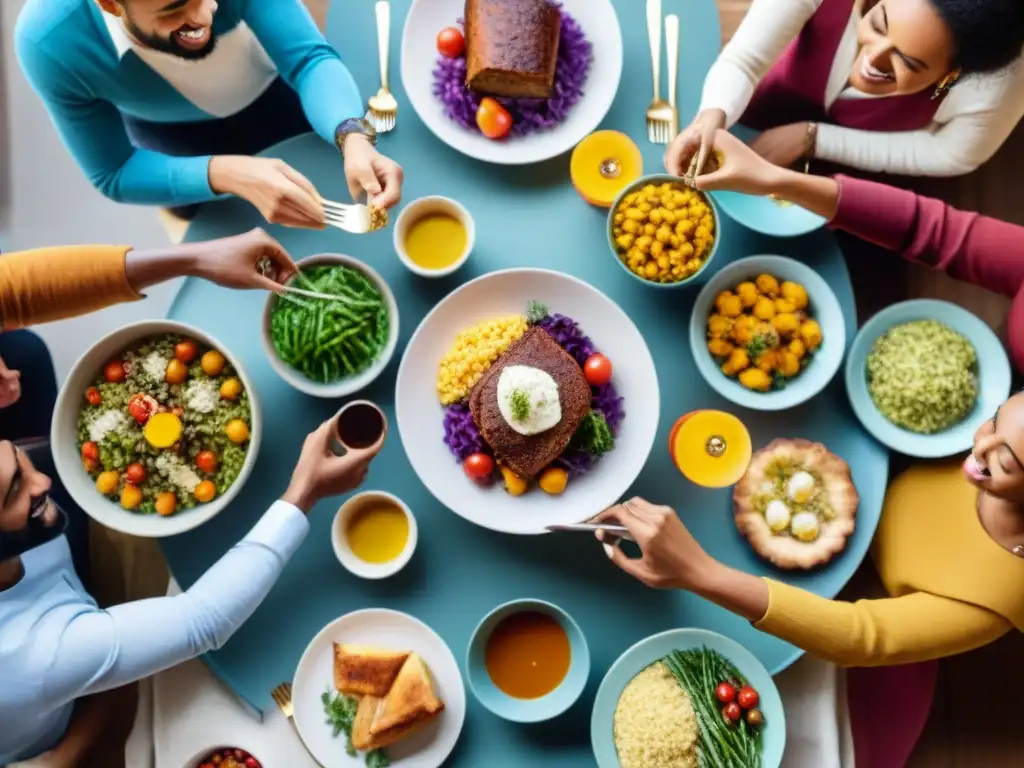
x: 973, y: 724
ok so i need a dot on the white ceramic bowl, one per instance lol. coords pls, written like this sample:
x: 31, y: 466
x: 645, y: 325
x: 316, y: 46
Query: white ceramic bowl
x: 346, y: 386
x: 420, y: 416
x: 427, y: 206
x: 344, y: 553
x: 419, y: 59
x: 194, y: 762
x: 64, y: 434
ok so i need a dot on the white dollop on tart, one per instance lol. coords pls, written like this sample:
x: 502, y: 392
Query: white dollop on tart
x: 805, y: 526
x: 800, y: 487
x: 528, y: 399
x: 777, y: 515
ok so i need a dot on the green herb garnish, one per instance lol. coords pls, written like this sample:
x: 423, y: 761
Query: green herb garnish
x: 520, y: 405
x: 593, y: 435
x: 341, y: 715
x: 698, y: 672
x: 328, y: 340
x: 535, y: 312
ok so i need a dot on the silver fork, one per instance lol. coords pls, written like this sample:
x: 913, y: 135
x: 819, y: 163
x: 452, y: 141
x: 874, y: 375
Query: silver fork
x: 282, y: 696
x: 357, y: 219
x: 659, y: 111
x: 383, y: 107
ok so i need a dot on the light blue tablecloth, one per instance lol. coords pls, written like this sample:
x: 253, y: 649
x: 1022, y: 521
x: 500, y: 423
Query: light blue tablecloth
x: 525, y: 217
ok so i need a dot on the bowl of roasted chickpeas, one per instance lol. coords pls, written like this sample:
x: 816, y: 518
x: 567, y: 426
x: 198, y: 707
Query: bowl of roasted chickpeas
x: 661, y: 232
x: 767, y: 333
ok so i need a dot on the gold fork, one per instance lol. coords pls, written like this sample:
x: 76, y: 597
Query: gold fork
x: 383, y: 107
x: 282, y: 696
x: 659, y: 112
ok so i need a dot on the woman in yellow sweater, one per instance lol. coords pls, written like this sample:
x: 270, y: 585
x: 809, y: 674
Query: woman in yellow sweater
x: 949, y: 550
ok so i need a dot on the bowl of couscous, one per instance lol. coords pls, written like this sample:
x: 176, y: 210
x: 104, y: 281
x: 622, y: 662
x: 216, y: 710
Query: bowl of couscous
x: 662, y: 232
x: 156, y: 429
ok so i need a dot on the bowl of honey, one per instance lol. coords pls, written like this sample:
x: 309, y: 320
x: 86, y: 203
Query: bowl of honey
x: 434, y: 236
x: 528, y: 661
x: 374, y: 534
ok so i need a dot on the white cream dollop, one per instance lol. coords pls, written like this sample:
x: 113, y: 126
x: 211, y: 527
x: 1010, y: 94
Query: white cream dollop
x: 800, y: 487
x: 776, y: 514
x: 805, y: 526
x: 540, y: 391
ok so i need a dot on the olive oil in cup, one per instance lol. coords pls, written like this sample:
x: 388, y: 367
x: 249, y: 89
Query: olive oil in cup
x: 374, y: 535
x: 434, y: 236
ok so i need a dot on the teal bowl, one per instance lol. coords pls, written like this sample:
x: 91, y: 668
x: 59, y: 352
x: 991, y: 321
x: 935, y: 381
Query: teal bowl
x: 661, y: 178
x: 764, y: 215
x: 994, y: 378
x: 527, y: 710
x: 646, y: 652
x: 824, y: 307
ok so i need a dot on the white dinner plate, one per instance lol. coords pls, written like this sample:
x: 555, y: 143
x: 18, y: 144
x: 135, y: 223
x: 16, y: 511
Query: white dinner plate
x: 388, y: 629
x: 427, y: 18
x: 420, y: 415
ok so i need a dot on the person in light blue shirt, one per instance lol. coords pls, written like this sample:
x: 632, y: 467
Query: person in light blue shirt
x: 62, y: 658
x: 164, y: 102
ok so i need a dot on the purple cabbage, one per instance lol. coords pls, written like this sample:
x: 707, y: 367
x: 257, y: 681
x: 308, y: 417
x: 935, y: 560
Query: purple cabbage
x: 460, y: 432
x: 575, y: 54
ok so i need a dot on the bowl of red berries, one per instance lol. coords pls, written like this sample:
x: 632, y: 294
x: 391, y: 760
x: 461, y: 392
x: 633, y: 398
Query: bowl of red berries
x: 224, y: 757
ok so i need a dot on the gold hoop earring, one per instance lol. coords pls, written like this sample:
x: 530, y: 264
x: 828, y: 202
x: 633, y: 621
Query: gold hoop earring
x: 945, y: 84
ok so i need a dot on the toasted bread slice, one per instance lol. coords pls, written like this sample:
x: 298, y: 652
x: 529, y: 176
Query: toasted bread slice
x: 410, y: 699
x: 362, y: 670
x: 365, y: 741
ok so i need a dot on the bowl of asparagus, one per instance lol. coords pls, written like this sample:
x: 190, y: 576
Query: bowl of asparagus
x: 335, y: 328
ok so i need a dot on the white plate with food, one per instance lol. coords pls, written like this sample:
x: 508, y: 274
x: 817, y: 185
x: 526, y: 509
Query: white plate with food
x: 688, y: 697
x: 527, y: 398
x: 378, y: 681
x: 155, y: 429
x: 465, y: 79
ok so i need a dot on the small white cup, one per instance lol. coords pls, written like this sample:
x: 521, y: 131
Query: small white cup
x: 427, y: 206
x: 343, y: 551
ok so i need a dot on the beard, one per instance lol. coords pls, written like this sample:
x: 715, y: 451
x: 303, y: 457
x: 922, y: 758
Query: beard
x: 46, y: 522
x: 170, y: 44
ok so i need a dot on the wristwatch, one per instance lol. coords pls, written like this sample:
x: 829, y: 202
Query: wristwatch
x: 354, y: 125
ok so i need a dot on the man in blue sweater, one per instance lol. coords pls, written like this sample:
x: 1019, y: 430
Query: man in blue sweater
x: 165, y: 102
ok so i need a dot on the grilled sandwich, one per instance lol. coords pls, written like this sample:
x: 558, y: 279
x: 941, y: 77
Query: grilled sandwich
x: 361, y: 670
x: 410, y: 705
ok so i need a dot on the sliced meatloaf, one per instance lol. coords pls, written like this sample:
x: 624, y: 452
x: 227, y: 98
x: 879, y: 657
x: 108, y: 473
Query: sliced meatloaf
x: 512, y: 47
x: 527, y: 455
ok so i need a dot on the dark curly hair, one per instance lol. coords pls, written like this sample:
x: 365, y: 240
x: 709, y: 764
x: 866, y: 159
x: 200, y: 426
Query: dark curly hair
x: 988, y: 35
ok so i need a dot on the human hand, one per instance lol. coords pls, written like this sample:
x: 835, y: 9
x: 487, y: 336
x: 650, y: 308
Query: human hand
x: 741, y: 169
x: 10, y: 385
x: 320, y: 473
x: 670, y: 556
x: 252, y: 260
x: 279, y: 192
x: 688, y: 153
x: 784, y: 145
x: 367, y: 170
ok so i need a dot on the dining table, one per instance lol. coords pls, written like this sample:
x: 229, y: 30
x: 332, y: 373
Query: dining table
x: 526, y: 216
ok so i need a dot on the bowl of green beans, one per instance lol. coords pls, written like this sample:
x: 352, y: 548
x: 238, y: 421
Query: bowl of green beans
x: 331, y: 347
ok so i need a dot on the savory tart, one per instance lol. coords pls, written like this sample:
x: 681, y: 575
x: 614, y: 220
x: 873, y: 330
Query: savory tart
x: 796, y: 504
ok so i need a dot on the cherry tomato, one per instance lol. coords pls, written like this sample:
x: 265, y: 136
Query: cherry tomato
x: 493, y: 120
x: 205, y: 491
x: 176, y: 372
x: 186, y: 351
x: 93, y: 396
x: 115, y: 372
x: 165, y: 503
x: 450, y: 42
x: 90, y: 451
x: 237, y: 431
x: 747, y: 697
x: 107, y: 483
x: 213, y: 363
x: 732, y: 712
x: 598, y: 370
x: 478, y: 466
x: 207, y: 461
x: 131, y: 496
x: 755, y: 718
x: 725, y: 693
x: 139, y: 409
x: 252, y: 762
x: 136, y: 473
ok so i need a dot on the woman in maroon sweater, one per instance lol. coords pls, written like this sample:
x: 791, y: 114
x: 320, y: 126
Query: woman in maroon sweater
x: 967, y: 246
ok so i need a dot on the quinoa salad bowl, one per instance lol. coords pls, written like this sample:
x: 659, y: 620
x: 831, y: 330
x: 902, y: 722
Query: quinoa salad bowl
x: 156, y: 429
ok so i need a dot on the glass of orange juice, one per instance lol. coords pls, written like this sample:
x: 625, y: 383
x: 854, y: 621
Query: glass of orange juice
x: 711, y: 448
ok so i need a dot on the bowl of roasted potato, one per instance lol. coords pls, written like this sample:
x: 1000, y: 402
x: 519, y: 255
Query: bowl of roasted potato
x: 767, y: 333
x: 661, y: 232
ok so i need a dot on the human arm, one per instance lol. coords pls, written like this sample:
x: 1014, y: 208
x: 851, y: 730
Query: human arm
x: 971, y: 125
x: 48, y: 284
